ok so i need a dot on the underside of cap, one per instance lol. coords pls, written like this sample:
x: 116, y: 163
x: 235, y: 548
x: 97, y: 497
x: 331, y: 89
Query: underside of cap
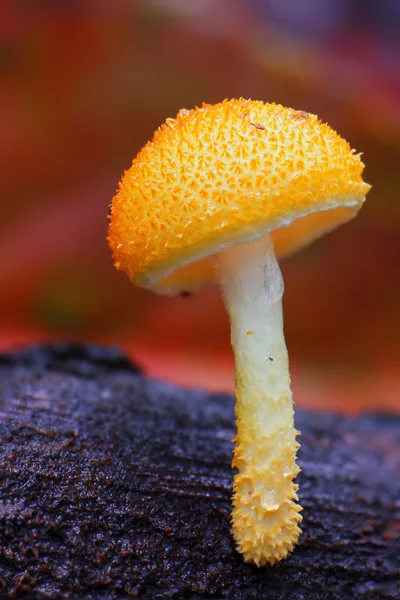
x: 226, y: 174
x: 287, y: 239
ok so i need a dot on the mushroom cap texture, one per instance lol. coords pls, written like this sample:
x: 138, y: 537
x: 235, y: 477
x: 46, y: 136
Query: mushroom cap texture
x: 225, y: 174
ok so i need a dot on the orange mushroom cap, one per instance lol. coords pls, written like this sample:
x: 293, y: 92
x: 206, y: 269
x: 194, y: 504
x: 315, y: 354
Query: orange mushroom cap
x: 225, y: 174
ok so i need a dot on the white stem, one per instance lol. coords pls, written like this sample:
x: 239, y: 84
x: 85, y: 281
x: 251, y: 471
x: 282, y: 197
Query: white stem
x: 265, y: 517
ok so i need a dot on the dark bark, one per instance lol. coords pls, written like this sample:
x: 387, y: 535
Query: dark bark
x: 112, y: 486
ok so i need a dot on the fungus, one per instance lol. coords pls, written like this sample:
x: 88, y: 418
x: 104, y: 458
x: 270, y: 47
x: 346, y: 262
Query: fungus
x: 218, y: 194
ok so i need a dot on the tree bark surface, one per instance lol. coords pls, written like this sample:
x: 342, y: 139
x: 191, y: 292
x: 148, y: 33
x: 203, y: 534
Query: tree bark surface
x: 114, y: 486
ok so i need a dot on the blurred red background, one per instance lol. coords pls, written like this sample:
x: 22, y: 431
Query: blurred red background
x: 84, y: 85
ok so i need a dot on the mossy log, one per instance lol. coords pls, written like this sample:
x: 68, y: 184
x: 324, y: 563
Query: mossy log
x: 114, y: 486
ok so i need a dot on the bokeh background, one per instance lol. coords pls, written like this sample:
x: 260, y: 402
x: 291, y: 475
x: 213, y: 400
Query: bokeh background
x: 84, y: 83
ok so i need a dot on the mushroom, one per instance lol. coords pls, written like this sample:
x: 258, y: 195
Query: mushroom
x: 216, y: 195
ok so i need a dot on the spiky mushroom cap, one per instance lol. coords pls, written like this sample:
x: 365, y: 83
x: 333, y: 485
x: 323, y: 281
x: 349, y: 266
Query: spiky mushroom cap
x: 225, y: 174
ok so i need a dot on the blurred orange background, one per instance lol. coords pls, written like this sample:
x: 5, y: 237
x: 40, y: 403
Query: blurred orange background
x: 84, y: 85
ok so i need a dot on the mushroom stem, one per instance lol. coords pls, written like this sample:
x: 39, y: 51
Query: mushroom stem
x: 265, y: 516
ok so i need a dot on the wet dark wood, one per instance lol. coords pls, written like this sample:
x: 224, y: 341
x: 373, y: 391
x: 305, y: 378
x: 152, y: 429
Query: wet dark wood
x: 112, y: 486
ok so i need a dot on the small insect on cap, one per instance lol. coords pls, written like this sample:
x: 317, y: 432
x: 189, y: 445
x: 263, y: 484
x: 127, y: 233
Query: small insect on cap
x: 225, y: 174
